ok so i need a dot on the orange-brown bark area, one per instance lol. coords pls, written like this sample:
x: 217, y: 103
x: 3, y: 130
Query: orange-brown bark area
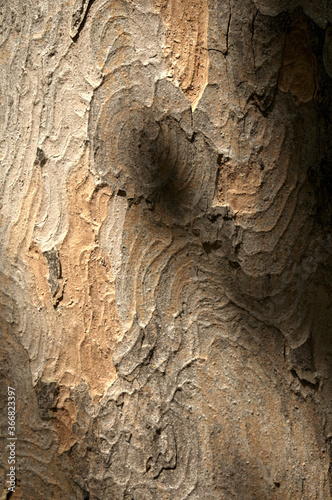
x: 75, y: 286
x: 166, y: 249
x: 185, y: 50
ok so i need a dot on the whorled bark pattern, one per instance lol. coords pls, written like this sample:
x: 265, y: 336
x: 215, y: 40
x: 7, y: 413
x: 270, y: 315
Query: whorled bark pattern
x: 166, y: 277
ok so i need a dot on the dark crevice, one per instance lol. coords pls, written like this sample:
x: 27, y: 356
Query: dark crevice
x: 213, y: 217
x: 58, y: 299
x: 237, y: 248
x: 79, y: 17
x: 265, y: 104
x: 252, y: 37
x: 305, y: 383
x: 135, y: 201
x: 82, y: 486
x: 228, y: 28
x: 234, y: 264
x: 229, y: 214
x: 209, y: 247
x: 150, y: 203
x: 223, y: 52
x: 40, y: 157
x: 221, y: 159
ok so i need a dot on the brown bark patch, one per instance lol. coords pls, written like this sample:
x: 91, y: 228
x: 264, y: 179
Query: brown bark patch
x: 185, y: 51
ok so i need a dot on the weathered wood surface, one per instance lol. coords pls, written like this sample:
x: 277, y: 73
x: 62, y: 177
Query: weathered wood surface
x: 166, y: 252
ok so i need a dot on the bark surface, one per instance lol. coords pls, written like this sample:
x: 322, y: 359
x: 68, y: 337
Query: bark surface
x: 166, y: 248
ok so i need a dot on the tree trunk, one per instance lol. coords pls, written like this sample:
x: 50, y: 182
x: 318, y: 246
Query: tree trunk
x: 166, y: 249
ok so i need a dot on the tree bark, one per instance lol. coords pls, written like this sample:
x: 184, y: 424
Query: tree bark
x: 166, y: 249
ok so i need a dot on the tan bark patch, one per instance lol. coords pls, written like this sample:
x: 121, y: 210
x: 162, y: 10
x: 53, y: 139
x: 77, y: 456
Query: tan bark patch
x: 81, y: 313
x: 186, y: 45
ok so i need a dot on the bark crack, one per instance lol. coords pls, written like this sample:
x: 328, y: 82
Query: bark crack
x: 228, y: 29
x: 252, y: 38
x: 79, y: 15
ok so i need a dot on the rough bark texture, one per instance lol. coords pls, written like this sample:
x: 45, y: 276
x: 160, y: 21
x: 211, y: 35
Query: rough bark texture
x: 166, y: 255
